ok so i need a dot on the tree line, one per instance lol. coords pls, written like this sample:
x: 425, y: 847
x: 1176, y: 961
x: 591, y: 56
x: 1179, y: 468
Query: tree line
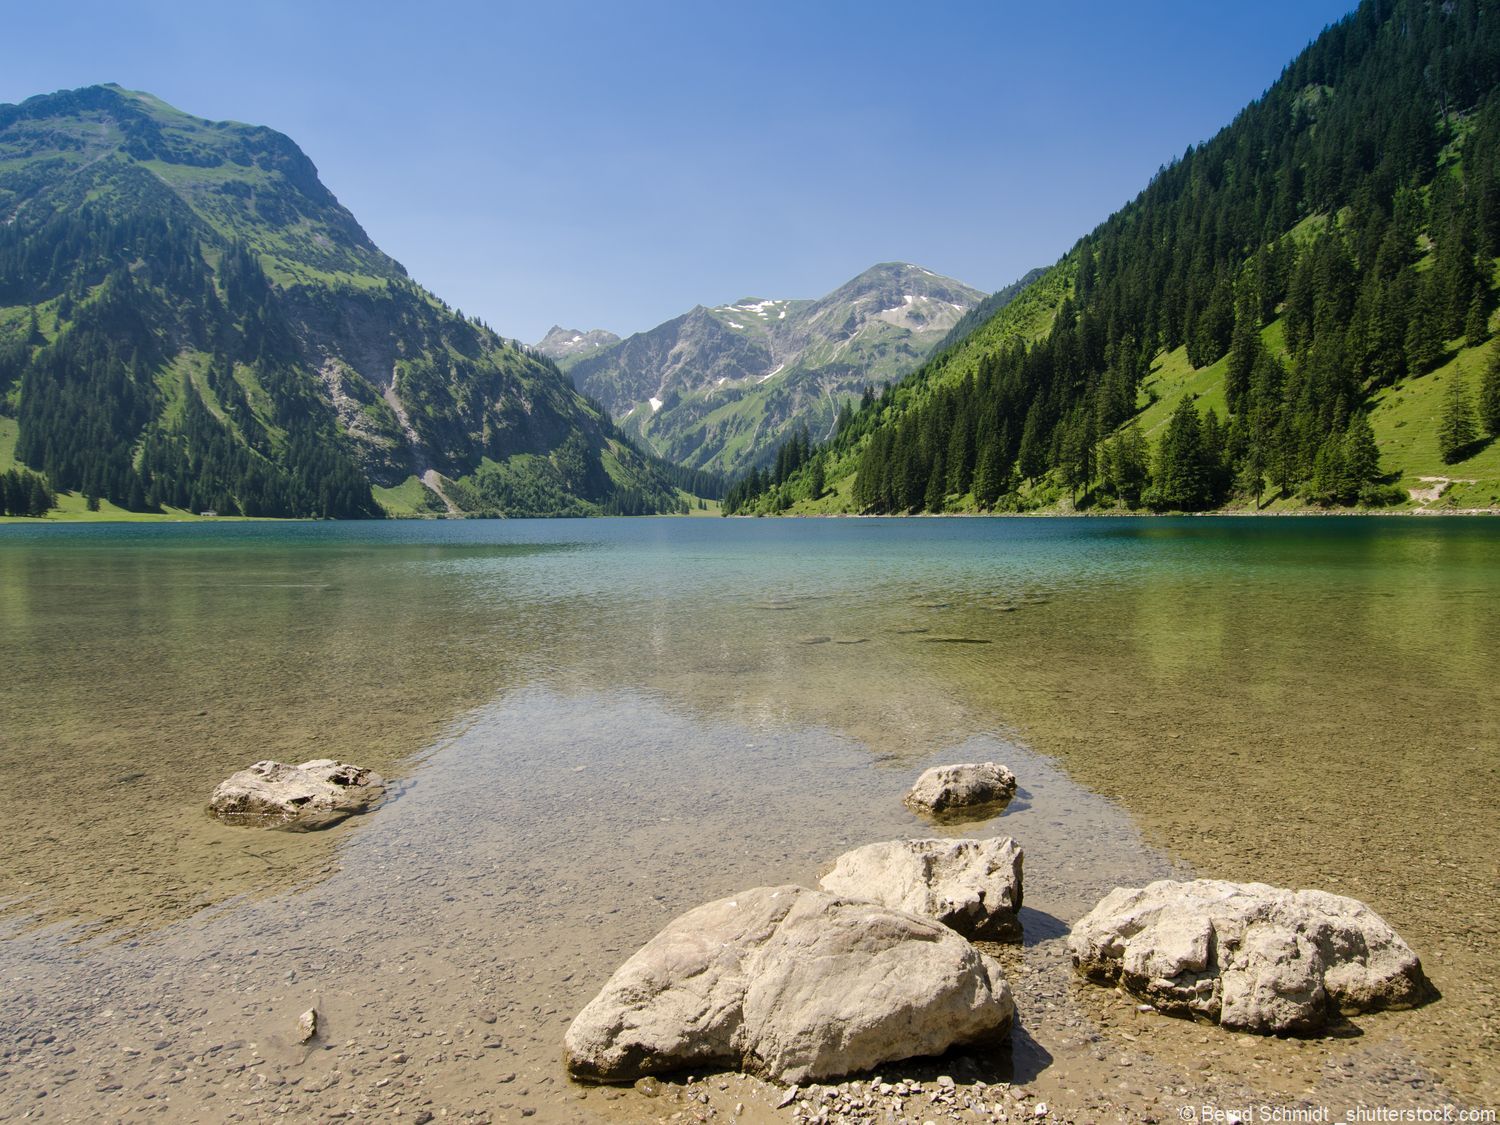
x: 24, y: 494
x: 1338, y: 236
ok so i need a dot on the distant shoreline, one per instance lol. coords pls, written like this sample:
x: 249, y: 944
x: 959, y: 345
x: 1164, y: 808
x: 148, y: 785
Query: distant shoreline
x: 81, y: 519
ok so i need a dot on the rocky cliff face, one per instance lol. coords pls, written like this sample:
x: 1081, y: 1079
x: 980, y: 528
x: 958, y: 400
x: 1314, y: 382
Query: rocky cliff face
x: 566, y: 346
x: 722, y: 386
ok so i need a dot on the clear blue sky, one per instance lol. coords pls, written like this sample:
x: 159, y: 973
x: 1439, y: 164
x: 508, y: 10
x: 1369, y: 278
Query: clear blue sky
x: 612, y: 164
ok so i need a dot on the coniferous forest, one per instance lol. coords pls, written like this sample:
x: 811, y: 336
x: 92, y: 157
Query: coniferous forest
x: 1339, y: 236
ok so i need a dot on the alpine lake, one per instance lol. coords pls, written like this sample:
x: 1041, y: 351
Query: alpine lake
x: 593, y: 726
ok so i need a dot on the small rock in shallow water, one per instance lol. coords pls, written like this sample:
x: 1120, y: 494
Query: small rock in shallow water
x: 307, y: 1025
x: 966, y: 785
x: 315, y: 794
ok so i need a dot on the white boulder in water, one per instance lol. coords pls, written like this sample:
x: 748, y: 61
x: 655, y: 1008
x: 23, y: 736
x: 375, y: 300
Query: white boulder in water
x: 1246, y: 955
x: 971, y: 886
x: 793, y: 985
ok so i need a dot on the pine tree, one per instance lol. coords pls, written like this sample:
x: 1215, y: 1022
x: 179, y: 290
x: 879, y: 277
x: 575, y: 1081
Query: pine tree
x: 1181, y: 477
x: 816, y: 479
x: 1129, y: 470
x: 1456, y: 429
x: 41, y: 499
x: 1077, y: 454
x: 1243, y: 346
x: 1361, y: 454
x: 1032, y: 459
x: 1489, y: 396
x: 1424, y: 343
x: 1330, y: 481
x: 1251, y: 479
x: 988, y: 473
x: 935, y: 496
x: 1215, y: 458
x: 1477, y: 321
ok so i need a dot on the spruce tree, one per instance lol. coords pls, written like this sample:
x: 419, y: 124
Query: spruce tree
x: 1181, y: 478
x: 1424, y: 343
x: 41, y: 499
x: 1032, y: 459
x: 935, y: 496
x: 1251, y: 479
x: 988, y: 473
x: 1477, y: 321
x: 816, y: 479
x: 1129, y: 465
x: 1243, y: 346
x: 1361, y: 454
x: 1329, y: 483
x: 1456, y: 429
x: 1489, y: 396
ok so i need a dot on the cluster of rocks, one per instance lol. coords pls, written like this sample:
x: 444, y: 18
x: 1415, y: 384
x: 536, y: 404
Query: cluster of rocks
x: 795, y: 985
x: 857, y: 1103
x: 877, y: 966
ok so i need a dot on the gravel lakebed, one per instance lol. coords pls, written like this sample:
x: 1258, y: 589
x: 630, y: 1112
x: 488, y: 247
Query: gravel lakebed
x: 457, y: 929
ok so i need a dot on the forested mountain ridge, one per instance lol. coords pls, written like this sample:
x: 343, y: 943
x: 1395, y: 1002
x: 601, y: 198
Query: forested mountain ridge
x: 190, y: 320
x: 1297, y: 312
x: 720, y: 386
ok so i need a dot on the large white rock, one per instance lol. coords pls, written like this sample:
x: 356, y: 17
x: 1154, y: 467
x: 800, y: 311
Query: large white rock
x: 1246, y: 955
x: 793, y: 985
x: 966, y: 785
x: 312, y: 795
x: 972, y: 886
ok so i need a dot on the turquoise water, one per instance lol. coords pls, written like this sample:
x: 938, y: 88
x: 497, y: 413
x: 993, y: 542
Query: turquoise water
x: 1299, y: 700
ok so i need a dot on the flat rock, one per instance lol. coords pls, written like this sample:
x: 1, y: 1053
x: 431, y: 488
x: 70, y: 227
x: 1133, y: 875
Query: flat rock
x: 1246, y: 955
x: 315, y: 794
x: 793, y: 985
x: 971, y: 886
x: 965, y: 786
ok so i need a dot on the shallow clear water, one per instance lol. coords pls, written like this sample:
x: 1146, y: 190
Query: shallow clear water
x: 600, y: 723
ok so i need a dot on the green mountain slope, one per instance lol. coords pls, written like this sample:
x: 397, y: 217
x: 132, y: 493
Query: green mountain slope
x: 190, y: 320
x: 1276, y: 321
x: 720, y: 387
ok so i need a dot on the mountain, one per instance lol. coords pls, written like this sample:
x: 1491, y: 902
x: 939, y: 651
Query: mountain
x: 1298, y: 312
x: 189, y: 319
x: 719, y: 387
x: 566, y: 346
